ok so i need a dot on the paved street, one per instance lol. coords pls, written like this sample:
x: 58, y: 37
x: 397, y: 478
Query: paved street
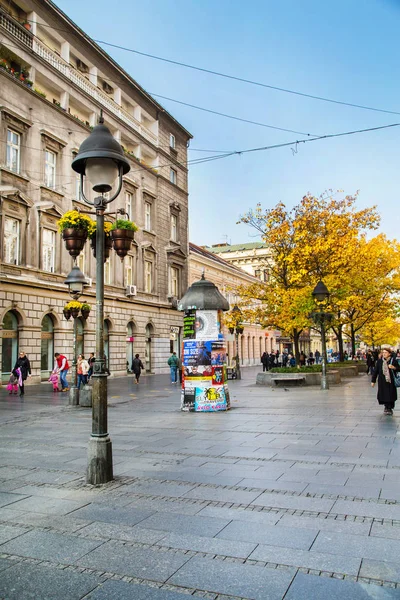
x: 292, y: 494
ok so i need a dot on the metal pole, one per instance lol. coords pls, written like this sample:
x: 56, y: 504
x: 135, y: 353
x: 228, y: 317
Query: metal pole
x: 73, y: 390
x: 100, y: 467
x: 238, y: 373
x: 324, y: 379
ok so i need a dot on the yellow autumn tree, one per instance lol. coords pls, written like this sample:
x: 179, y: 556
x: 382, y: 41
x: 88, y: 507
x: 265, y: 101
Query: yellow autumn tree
x: 317, y: 239
x: 386, y: 331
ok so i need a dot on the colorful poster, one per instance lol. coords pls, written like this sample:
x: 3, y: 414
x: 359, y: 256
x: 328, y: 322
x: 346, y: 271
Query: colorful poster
x: 210, y: 399
x: 197, y: 372
x: 207, y: 325
x: 189, y: 321
x: 218, y: 353
x: 217, y: 375
x: 196, y: 352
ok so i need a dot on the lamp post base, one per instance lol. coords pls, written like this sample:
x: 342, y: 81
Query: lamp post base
x: 324, y: 383
x: 73, y: 396
x: 100, y: 465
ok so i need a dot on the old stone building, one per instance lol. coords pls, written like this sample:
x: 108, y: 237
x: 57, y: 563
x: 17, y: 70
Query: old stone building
x: 252, y: 257
x: 254, y: 340
x: 54, y: 80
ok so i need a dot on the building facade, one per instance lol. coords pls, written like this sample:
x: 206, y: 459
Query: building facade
x: 252, y: 257
x: 227, y: 277
x: 54, y: 81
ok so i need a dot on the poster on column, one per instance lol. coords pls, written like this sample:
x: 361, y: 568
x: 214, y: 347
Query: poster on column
x: 207, y: 325
x: 210, y: 399
x: 197, y: 353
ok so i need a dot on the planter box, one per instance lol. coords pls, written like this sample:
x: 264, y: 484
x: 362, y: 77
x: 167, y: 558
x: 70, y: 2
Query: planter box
x: 349, y: 371
x: 266, y: 378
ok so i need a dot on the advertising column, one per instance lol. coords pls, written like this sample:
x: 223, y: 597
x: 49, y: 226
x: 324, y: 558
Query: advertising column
x: 204, y: 387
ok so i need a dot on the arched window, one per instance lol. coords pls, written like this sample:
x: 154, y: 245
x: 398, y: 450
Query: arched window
x: 9, y: 344
x: 47, y: 346
x: 147, y: 356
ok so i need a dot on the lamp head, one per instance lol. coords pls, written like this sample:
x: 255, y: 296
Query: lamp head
x: 76, y: 282
x: 320, y: 293
x: 101, y: 159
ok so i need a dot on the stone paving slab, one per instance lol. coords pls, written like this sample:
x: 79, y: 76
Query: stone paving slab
x: 120, y: 590
x: 375, y: 548
x: 309, y: 587
x: 26, y: 582
x: 245, y: 581
x: 146, y: 563
x: 49, y: 546
x: 208, y: 544
x: 381, y: 570
x: 269, y: 534
x: 109, y: 514
x: 176, y: 523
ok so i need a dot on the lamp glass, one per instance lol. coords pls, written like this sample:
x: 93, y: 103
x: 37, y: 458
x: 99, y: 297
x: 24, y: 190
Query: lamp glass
x: 101, y: 172
x: 321, y: 297
x: 76, y: 287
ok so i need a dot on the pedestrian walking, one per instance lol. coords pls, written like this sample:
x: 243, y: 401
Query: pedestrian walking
x: 62, y: 367
x: 302, y: 359
x: 384, y: 371
x: 264, y: 361
x: 317, y: 357
x: 370, y: 362
x: 82, y: 369
x: 91, y: 361
x: 25, y: 367
x: 137, y: 367
x: 13, y: 382
x: 173, y: 363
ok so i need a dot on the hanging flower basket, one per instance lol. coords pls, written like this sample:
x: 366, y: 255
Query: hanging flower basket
x: 73, y: 307
x: 108, y: 244
x: 74, y: 240
x: 67, y: 313
x: 85, y: 310
x: 75, y: 313
x: 122, y: 241
x: 231, y: 329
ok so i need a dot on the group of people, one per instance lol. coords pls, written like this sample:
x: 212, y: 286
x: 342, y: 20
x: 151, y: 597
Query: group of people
x: 286, y: 359
x: 84, y: 370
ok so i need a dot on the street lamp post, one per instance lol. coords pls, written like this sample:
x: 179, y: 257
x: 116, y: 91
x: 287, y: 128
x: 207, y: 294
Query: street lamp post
x: 76, y: 283
x: 102, y: 160
x: 321, y: 296
x: 238, y: 316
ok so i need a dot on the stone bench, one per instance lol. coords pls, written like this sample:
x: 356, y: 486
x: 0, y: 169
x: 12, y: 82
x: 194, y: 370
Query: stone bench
x: 291, y: 379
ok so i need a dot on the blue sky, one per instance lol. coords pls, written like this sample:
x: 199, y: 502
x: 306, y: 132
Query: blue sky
x: 342, y: 50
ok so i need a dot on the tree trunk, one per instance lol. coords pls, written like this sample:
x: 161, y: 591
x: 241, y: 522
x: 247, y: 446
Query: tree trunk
x: 339, y: 336
x: 353, y: 340
x: 296, y: 338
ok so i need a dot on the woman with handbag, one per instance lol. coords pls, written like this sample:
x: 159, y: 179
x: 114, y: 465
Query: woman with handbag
x: 386, y: 372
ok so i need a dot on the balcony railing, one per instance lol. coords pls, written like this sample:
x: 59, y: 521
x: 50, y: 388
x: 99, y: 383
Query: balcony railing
x: 15, y: 29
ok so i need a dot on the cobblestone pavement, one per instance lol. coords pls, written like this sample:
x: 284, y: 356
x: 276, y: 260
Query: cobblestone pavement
x: 293, y: 494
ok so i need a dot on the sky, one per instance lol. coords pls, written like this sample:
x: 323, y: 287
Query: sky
x: 343, y: 50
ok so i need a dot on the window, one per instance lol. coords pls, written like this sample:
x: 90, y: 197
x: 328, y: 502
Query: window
x: 11, y: 241
x: 128, y: 267
x: 172, y: 141
x: 147, y: 216
x: 174, y: 228
x: 173, y: 282
x: 107, y: 271
x: 173, y: 176
x: 50, y: 169
x: 49, y: 250
x: 129, y: 204
x: 13, y: 151
x: 148, y: 276
x: 257, y: 273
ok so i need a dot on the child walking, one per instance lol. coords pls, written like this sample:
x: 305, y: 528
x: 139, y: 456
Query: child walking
x: 54, y: 380
x: 13, y: 382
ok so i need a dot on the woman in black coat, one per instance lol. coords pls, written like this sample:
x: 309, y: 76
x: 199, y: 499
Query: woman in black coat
x: 383, y: 372
x: 25, y: 366
x: 137, y: 367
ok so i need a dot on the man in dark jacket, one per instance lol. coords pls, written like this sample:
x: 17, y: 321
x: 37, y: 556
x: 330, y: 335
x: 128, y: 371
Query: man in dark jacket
x: 137, y: 367
x: 25, y: 366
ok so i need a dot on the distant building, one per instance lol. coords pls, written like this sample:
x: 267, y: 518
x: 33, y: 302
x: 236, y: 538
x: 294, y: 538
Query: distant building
x: 254, y: 340
x: 252, y: 257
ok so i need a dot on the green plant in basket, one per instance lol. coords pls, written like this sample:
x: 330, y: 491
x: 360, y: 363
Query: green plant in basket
x: 124, y: 224
x: 86, y: 306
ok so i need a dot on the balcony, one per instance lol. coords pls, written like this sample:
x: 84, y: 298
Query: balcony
x: 33, y: 43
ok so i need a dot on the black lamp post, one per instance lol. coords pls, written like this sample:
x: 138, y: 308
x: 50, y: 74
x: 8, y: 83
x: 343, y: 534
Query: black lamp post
x: 76, y: 283
x: 238, y: 329
x: 321, y: 295
x: 100, y: 159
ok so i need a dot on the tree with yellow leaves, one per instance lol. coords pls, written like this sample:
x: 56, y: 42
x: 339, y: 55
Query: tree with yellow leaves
x: 317, y: 239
